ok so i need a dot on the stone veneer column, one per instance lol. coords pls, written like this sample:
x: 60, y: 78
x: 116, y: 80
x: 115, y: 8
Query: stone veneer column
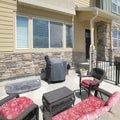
x: 103, y: 41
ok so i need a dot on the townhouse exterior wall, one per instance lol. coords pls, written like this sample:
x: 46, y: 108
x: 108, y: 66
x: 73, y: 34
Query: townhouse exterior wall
x: 25, y: 62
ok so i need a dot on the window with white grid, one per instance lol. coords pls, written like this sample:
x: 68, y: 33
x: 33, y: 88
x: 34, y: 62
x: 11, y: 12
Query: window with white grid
x: 116, y: 6
x: 45, y: 33
x: 116, y: 38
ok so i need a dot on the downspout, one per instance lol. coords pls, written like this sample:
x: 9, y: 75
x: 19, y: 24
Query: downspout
x: 92, y: 46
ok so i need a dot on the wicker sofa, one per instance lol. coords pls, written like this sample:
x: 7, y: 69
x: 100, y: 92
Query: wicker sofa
x: 91, y: 108
x: 14, y: 107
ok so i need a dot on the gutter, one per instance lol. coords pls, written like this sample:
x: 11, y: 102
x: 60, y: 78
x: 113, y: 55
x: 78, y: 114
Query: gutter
x: 92, y: 46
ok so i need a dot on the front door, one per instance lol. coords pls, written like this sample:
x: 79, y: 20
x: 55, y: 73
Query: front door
x: 88, y: 42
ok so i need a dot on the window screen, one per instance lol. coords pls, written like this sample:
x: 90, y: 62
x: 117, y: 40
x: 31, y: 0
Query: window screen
x: 69, y: 36
x: 22, y: 32
x: 56, y: 35
x: 40, y: 33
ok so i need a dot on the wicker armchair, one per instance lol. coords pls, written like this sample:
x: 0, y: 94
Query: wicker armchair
x: 92, y: 81
x: 14, y: 107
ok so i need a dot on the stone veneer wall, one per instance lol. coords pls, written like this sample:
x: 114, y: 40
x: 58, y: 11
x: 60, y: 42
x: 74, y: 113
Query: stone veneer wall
x: 103, y: 41
x: 14, y: 65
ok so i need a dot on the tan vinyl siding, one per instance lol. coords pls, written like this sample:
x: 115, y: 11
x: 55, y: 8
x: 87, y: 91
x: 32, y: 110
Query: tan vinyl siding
x: 64, y: 6
x: 41, y: 13
x: 7, y: 8
x: 83, y: 3
x: 79, y: 33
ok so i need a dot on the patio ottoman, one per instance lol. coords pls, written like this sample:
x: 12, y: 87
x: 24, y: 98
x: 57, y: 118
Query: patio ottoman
x: 57, y: 101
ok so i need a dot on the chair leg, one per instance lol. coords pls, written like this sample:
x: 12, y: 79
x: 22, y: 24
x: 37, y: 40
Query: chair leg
x: 80, y: 89
x: 89, y: 91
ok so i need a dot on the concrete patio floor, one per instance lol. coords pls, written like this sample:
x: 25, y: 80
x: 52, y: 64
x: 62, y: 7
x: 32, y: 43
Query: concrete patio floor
x: 72, y: 82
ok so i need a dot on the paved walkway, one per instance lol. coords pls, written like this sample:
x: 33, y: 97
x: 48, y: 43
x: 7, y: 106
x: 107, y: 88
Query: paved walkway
x: 72, y: 82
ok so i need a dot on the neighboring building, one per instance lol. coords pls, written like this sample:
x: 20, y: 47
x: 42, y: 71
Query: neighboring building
x: 30, y: 29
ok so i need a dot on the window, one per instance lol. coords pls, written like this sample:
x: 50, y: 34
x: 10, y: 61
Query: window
x: 56, y: 35
x: 22, y: 32
x: 40, y: 34
x: 116, y: 6
x: 69, y: 36
x: 99, y: 3
x: 47, y: 34
x: 116, y: 38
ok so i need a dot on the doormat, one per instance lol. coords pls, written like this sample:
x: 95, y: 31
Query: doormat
x: 22, y: 87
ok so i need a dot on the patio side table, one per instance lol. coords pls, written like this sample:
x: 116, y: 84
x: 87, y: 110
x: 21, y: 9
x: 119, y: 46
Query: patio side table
x: 57, y: 101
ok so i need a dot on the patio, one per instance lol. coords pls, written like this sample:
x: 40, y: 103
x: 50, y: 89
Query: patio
x: 72, y: 82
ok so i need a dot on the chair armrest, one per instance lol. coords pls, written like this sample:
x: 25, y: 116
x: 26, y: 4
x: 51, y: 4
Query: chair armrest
x: 27, y: 112
x: 101, y: 91
x: 94, y: 83
x: 8, y: 98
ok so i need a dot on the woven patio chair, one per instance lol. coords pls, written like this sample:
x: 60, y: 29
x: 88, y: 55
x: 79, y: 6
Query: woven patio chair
x: 14, y: 107
x: 92, y: 80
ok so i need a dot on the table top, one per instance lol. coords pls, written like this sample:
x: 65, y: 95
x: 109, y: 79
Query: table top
x: 57, y: 94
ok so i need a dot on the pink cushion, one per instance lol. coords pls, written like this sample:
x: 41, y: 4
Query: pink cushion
x: 79, y: 110
x: 86, y: 83
x: 114, y: 98
x: 93, y: 115
x: 15, y: 107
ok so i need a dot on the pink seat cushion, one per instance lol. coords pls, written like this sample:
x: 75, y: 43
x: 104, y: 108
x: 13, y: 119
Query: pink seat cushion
x: 86, y: 83
x: 15, y: 107
x: 114, y: 98
x: 93, y: 115
x: 79, y: 110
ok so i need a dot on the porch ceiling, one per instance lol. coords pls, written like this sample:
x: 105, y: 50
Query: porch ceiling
x: 89, y: 12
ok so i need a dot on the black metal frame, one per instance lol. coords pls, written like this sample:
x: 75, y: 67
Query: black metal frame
x: 112, y: 69
x: 102, y: 94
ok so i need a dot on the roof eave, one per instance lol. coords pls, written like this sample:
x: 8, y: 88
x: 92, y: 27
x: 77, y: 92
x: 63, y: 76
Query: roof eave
x: 101, y: 12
